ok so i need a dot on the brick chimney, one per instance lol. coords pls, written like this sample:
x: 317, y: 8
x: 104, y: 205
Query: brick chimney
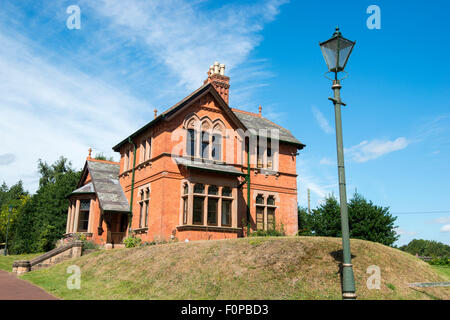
x: 216, y: 76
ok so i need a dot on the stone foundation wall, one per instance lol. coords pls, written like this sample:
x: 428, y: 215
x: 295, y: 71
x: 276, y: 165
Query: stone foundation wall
x: 57, y: 255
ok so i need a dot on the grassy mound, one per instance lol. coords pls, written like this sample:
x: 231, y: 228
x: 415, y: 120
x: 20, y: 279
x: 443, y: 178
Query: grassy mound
x: 247, y: 268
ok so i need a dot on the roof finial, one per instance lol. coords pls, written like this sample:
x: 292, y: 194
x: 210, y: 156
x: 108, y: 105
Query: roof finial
x: 90, y: 151
x: 156, y: 112
x: 260, y: 109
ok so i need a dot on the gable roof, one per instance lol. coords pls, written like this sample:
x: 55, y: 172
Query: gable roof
x: 243, y: 119
x: 105, y: 184
x: 207, y: 87
x: 257, y: 122
x: 86, y: 189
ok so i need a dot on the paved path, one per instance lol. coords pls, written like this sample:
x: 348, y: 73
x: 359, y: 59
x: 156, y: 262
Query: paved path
x: 13, y: 288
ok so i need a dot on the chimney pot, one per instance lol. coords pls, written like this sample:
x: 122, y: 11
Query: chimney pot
x: 217, y: 77
x: 156, y: 113
x: 222, y: 69
x: 260, y: 109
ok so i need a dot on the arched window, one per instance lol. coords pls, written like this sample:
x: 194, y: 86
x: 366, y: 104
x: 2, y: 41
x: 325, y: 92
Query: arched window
x: 185, y: 188
x: 205, y: 145
x: 260, y: 199
x: 190, y: 142
x: 271, y: 200
x: 216, y: 152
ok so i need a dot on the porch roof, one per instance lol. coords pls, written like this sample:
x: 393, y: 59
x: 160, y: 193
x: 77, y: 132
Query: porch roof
x: 105, y: 179
x: 86, y: 189
x: 208, y: 166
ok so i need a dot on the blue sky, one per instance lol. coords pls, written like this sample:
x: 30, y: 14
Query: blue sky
x: 63, y: 91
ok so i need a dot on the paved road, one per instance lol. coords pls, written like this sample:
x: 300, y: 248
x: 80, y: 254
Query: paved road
x: 13, y: 288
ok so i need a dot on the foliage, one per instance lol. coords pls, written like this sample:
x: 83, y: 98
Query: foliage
x: 304, y: 222
x: 131, y: 242
x: 366, y: 220
x: 101, y: 156
x: 267, y: 233
x: 428, y: 248
x: 14, y: 198
x: 41, y: 221
x: 442, y: 261
x: 89, y: 245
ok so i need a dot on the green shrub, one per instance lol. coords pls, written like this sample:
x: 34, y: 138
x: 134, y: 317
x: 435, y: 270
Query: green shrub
x: 267, y: 233
x: 131, y: 242
x: 442, y: 261
x: 88, y: 245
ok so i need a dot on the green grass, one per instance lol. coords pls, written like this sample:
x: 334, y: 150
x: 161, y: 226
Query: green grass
x: 246, y: 268
x: 443, y: 270
x: 7, y: 261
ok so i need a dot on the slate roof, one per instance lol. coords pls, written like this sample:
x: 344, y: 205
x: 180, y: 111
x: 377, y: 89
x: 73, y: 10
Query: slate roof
x: 245, y: 119
x: 87, y: 188
x: 256, y: 122
x: 105, y: 180
x: 207, y: 166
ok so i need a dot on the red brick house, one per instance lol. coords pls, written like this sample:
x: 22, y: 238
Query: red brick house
x: 184, y: 175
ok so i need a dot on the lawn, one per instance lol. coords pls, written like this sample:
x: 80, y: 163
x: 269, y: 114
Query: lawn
x: 246, y: 268
x: 7, y: 261
x: 443, y: 270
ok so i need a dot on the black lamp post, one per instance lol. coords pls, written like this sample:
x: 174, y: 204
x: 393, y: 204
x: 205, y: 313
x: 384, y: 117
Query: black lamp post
x: 336, y: 52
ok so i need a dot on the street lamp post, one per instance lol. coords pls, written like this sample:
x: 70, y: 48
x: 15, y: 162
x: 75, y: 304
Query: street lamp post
x: 7, y: 229
x: 336, y: 51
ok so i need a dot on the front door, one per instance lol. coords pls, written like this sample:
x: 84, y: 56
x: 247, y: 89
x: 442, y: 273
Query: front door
x: 119, y: 222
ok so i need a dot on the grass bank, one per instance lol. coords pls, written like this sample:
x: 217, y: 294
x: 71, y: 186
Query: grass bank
x: 248, y: 268
x: 7, y: 261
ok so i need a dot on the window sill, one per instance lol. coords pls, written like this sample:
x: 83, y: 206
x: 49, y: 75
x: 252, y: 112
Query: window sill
x: 208, y: 228
x: 140, y: 230
x: 74, y: 234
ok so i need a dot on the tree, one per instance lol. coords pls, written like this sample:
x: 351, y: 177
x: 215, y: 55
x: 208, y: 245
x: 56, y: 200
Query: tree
x: 101, y: 156
x: 428, y: 248
x: 42, y: 221
x: 14, y: 197
x: 366, y: 220
x: 326, y: 219
x: 304, y: 222
x: 371, y: 222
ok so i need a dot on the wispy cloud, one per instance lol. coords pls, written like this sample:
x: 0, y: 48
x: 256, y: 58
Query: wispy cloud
x: 404, y: 232
x: 326, y: 161
x: 183, y: 37
x: 322, y: 121
x: 445, y: 228
x: 369, y: 150
x: 54, y: 110
x: 6, y: 159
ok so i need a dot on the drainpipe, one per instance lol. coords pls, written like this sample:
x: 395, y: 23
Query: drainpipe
x: 132, y: 185
x: 248, y: 188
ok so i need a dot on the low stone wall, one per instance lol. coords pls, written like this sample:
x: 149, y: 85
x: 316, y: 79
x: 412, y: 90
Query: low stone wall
x: 57, y: 255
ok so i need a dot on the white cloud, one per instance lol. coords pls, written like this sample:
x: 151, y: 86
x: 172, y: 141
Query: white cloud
x: 441, y: 220
x: 445, y: 228
x: 50, y: 110
x: 369, y: 150
x: 327, y: 162
x: 322, y: 121
x: 404, y: 232
x: 183, y: 37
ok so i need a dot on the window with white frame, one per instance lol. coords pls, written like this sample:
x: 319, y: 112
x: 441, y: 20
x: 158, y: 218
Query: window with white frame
x: 265, y: 212
x: 146, y: 149
x: 204, y: 141
x: 83, y: 217
x: 144, y: 207
x: 211, y: 205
